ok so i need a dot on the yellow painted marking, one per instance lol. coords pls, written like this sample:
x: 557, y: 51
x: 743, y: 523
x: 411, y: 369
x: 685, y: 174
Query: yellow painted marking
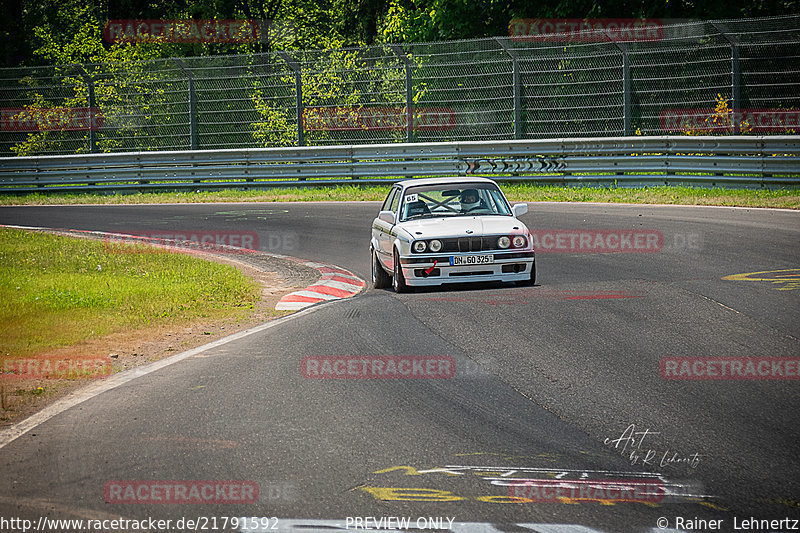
x: 503, y: 499
x: 713, y: 506
x: 606, y: 501
x: 786, y: 280
x: 781, y: 501
x: 412, y: 495
x: 410, y: 470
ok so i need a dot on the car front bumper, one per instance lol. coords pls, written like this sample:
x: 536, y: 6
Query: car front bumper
x: 436, y: 269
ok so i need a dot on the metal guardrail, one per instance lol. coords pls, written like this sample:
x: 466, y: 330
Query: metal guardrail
x: 742, y: 161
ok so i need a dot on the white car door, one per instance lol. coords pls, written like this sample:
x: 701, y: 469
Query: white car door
x: 383, y: 229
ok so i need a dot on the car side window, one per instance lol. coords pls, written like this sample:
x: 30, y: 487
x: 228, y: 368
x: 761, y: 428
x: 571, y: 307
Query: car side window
x: 388, y: 201
x: 493, y: 204
x: 395, y: 201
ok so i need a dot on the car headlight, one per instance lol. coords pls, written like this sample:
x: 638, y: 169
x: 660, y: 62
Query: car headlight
x: 435, y: 245
x: 504, y: 242
x: 420, y: 246
x: 519, y: 241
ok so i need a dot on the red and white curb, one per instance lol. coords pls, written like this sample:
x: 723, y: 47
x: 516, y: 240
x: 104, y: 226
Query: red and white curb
x: 334, y: 283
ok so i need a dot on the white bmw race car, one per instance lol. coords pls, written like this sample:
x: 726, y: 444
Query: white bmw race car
x: 449, y: 230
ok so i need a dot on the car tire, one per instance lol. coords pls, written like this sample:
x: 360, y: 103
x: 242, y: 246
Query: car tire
x: 532, y: 280
x: 380, y: 278
x: 398, y: 281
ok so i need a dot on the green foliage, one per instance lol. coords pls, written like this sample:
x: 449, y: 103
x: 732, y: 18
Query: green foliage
x: 436, y: 20
x: 31, y: 25
x: 120, y: 77
x: 336, y: 87
x: 276, y: 127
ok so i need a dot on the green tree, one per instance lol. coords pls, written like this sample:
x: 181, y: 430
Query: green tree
x: 434, y: 20
x: 121, y: 75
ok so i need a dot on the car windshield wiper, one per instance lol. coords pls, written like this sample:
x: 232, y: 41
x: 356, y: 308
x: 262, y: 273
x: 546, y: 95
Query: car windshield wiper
x: 428, y: 215
x: 421, y: 215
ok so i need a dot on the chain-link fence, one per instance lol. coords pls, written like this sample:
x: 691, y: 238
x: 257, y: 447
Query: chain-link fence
x: 744, y: 72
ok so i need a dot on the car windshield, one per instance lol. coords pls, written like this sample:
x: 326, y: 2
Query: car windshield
x: 445, y: 200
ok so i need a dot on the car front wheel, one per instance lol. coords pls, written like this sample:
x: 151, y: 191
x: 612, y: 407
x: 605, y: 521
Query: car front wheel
x: 398, y: 281
x: 380, y: 278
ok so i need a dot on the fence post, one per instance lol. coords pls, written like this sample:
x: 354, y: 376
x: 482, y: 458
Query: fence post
x: 298, y: 93
x: 192, y: 105
x: 92, y: 106
x: 401, y: 54
x: 736, y: 96
x: 515, y: 77
x: 626, y: 88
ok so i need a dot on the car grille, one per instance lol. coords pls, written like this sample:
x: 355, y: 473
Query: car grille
x: 469, y: 244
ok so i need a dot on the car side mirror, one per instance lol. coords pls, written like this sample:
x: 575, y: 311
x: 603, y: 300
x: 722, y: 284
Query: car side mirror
x: 519, y: 209
x: 387, y: 216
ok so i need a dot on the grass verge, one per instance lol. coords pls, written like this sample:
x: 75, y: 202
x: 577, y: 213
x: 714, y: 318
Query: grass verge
x: 57, y: 291
x: 780, y: 198
x: 61, y: 297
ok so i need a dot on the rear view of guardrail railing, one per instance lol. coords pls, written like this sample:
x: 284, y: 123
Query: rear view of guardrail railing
x: 481, y: 89
x: 745, y: 161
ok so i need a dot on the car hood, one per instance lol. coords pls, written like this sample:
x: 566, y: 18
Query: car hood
x: 428, y: 228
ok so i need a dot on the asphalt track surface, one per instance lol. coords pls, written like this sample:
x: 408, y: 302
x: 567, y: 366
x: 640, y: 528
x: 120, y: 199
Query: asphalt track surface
x: 548, y: 380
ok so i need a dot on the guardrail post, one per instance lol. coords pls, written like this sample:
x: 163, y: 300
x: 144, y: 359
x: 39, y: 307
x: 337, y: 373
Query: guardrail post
x: 92, y: 106
x: 627, y: 127
x: 298, y: 94
x: 401, y: 54
x: 192, y: 105
x: 515, y: 77
x: 736, y: 96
